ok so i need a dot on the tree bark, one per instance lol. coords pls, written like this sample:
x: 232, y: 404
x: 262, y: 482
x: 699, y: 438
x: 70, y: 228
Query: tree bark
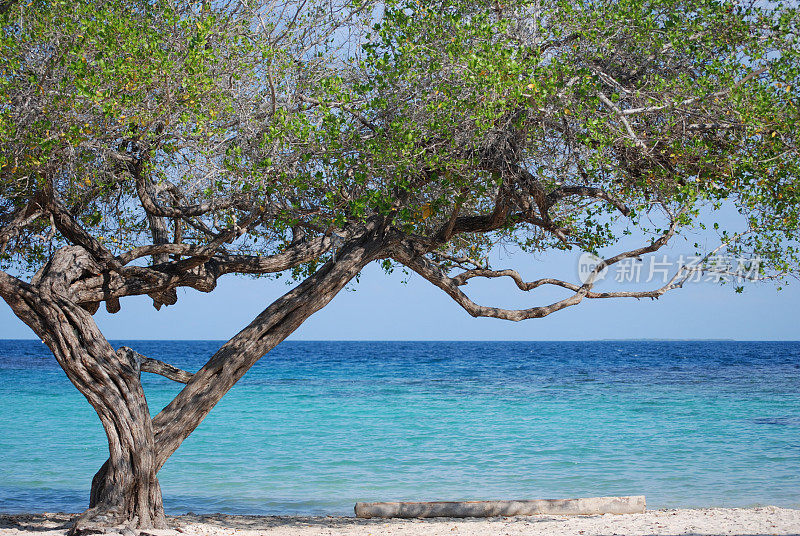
x: 129, y: 493
x: 207, y: 387
x: 125, y: 491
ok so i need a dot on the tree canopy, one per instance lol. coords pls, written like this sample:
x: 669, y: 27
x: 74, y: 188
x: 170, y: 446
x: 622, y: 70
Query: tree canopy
x: 150, y: 145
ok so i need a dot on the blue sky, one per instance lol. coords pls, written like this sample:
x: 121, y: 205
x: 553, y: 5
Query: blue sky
x: 382, y: 307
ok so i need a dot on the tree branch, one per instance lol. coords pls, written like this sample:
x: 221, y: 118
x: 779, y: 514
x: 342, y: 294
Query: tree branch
x: 153, y: 207
x: 410, y: 255
x: 296, y: 255
x: 154, y: 366
x: 14, y: 226
x: 585, y: 191
x: 678, y: 279
x: 69, y: 227
x: 639, y: 143
x: 198, y: 272
x: 361, y: 119
x: 20, y: 296
x: 693, y: 100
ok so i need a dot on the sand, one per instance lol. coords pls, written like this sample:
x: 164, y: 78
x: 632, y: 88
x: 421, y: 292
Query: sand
x: 706, y: 521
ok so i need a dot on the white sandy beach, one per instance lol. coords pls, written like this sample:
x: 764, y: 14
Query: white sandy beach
x: 707, y: 521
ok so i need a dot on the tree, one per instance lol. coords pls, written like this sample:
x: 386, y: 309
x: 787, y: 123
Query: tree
x: 152, y: 145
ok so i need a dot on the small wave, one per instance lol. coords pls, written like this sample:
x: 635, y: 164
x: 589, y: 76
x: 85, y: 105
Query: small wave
x: 777, y: 421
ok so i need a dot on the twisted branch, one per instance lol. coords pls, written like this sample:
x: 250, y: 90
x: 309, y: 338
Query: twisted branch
x: 409, y: 254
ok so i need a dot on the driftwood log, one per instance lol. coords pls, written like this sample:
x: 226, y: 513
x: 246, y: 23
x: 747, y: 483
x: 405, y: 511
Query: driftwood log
x: 586, y: 506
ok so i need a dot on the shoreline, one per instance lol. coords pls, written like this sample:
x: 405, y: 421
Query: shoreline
x: 700, y: 521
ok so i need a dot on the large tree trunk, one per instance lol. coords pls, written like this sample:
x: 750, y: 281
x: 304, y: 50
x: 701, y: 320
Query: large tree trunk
x: 207, y: 387
x: 125, y: 490
x: 109, y: 380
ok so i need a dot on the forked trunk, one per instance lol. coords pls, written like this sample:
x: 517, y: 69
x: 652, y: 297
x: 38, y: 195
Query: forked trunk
x: 130, y: 494
x: 125, y: 491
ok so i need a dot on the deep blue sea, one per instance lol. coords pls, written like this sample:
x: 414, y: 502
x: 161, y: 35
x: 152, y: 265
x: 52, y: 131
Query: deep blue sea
x: 316, y: 426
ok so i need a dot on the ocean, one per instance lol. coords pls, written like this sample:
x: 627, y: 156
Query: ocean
x: 316, y: 426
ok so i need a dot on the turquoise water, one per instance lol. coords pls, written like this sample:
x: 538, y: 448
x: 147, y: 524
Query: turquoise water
x: 317, y: 426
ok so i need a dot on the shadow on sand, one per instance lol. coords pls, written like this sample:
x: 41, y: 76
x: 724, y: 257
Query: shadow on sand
x: 56, y: 522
